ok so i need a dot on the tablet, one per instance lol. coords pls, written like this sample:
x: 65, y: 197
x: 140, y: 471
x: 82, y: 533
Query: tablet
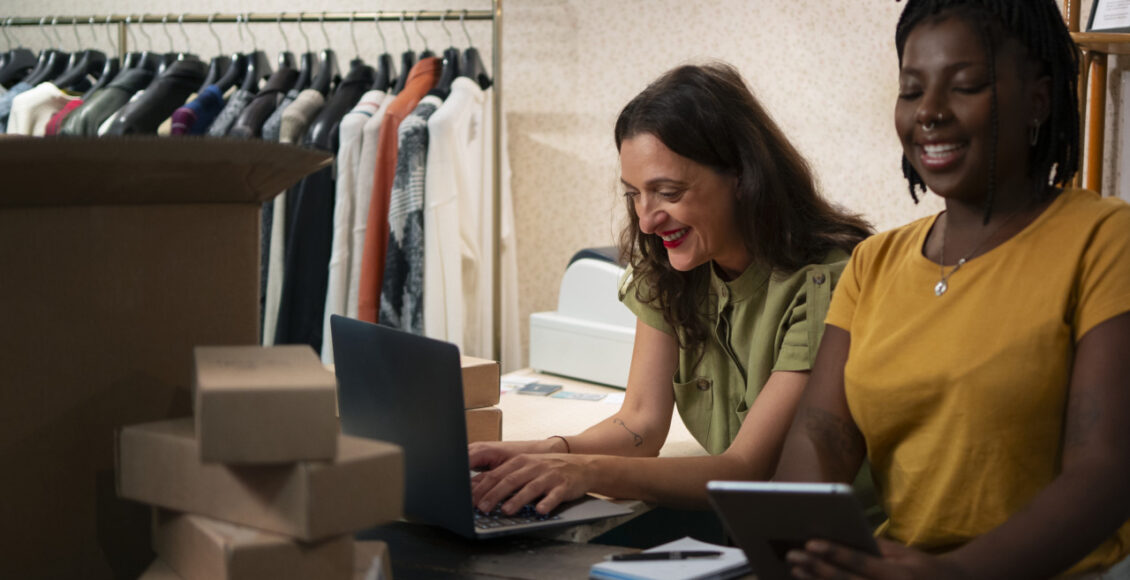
x: 768, y: 519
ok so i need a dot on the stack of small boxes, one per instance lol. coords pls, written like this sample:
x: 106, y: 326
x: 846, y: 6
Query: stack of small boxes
x: 480, y: 399
x: 260, y: 483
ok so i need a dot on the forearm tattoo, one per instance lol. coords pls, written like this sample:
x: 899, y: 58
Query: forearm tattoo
x: 832, y: 433
x: 636, y: 438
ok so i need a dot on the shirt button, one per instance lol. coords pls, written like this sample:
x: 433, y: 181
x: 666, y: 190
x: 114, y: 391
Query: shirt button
x: 818, y: 279
x: 703, y: 384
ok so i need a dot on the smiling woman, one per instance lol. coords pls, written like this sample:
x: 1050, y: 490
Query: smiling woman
x: 733, y: 255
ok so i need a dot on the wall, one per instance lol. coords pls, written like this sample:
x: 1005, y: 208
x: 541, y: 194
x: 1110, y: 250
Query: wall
x: 825, y: 69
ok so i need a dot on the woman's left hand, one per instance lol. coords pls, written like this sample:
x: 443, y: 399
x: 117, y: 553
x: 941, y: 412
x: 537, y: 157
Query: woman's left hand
x: 821, y: 559
x: 552, y: 477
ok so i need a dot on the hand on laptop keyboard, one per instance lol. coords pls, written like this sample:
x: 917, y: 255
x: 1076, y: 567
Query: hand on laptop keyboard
x: 496, y: 518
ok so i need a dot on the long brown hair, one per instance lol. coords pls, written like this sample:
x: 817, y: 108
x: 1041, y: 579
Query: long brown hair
x: 706, y: 113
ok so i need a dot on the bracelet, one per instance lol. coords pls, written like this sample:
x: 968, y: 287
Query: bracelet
x: 563, y: 440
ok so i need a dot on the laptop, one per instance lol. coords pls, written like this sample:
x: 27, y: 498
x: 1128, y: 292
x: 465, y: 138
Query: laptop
x: 408, y: 389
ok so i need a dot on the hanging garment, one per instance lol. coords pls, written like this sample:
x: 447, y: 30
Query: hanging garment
x: 57, y: 119
x: 273, y: 123
x: 106, y: 101
x: 292, y: 126
x: 142, y: 116
x: 305, y: 274
x: 166, y: 127
x: 197, y: 116
x: 421, y: 79
x: 366, y: 167
x: 32, y: 109
x: 6, y: 102
x: 249, y: 123
x: 228, y: 115
x: 345, y: 206
x: 402, y: 293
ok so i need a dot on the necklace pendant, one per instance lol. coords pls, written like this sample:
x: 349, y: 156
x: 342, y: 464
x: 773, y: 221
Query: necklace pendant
x: 940, y: 288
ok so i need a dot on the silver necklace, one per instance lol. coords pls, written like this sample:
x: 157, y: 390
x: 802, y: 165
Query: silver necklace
x: 943, y: 284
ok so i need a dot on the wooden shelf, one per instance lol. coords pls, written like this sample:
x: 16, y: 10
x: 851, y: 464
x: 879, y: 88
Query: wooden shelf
x: 1104, y: 42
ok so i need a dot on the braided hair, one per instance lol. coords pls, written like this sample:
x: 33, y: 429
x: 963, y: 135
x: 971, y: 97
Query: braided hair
x: 1039, y: 26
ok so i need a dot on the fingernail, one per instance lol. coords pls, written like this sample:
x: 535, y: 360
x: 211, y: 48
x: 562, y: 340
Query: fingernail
x: 796, y: 557
x: 817, y: 546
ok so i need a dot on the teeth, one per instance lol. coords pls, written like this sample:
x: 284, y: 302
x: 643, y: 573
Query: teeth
x: 674, y: 236
x: 942, y: 149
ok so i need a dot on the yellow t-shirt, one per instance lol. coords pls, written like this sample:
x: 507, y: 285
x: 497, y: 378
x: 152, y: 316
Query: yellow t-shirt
x: 961, y: 397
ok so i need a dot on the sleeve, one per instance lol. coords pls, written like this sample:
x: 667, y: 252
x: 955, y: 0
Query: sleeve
x: 630, y: 295
x: 803, y: 322
x: 1104, y: 274
x: 846, y: 296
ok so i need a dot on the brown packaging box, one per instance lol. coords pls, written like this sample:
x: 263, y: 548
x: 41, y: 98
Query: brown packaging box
x: 480, y: 382
x: 159, y: 464
x: 201, y: 548
x: 484, y: 424
x: 264, y: 405
x: 118, y: 256
x: 366, y: 555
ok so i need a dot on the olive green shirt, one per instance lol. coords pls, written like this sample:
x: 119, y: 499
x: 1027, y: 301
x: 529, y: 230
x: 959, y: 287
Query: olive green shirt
x: 760, y: 323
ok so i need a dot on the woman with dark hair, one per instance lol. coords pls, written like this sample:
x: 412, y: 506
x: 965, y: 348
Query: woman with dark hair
x: 978, y: 358
x: 733, y: 255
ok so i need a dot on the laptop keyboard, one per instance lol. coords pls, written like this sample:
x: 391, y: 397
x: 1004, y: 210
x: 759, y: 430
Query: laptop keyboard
x: 496, y: 519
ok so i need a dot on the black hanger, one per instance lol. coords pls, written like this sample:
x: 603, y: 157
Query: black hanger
x: 449, y: 73
x: 305, y: 70
x: 328, y: 72
x: 87, y: 63
x: 235, y: 72
x: 109, y: 72
x: 19, y: 63
x: 385, y: 72
x: 53, y: 66
x: 474, y: 69
x: 258, y: 67
x: 407, y: 61
x: 323, y: 130
x: 216, y: 68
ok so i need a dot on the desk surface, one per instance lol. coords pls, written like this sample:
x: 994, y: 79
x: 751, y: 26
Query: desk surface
x: 533, y: 417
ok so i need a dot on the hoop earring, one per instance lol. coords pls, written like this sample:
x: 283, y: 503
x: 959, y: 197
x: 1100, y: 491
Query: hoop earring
x: 1034, y: 133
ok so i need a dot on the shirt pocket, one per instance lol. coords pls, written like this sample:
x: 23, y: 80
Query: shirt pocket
x: 695, y: 401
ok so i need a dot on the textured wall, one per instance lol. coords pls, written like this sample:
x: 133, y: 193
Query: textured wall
x: 825, y: 69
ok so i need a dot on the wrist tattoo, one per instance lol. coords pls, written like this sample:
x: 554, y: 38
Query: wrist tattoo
x: 636, y: 439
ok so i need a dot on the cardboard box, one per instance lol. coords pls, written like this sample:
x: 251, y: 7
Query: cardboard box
x: 119, y: 256
x: 484, y: 424
x: 480, y: 382
x: 201, y: 548
x: 159, y: 464
x: 159, y: 570
x: 264, y: 404
x: 371, y: 555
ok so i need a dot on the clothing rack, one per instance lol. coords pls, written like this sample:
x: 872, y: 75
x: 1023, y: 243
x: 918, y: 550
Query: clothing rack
x: 494, y: 15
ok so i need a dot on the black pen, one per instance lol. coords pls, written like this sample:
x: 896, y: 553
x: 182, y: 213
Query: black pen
x: 674, y: 555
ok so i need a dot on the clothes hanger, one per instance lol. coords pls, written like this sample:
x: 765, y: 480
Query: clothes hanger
x: 112, y: 67
x: 306, y: 62
x: 451, y: 64
x: 55, y: 61
x: 385, y: 72
x: 258, y: 64
x: 19, y: 62
x: 286, y: 57
x: 89, y: 63
x: 427, y: 53
x: 473, y: 67
x: 407, y: 59
x: 356, y: 61
x: 219, y: 64
x: 238, y: 69
x: 328, y: 71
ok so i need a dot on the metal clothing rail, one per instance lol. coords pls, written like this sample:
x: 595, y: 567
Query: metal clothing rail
x: 494, y: 15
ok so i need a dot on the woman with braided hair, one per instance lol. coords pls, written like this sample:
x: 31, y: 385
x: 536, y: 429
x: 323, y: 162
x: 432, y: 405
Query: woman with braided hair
x: 977, y: 358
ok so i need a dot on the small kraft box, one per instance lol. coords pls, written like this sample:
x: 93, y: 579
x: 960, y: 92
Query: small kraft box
x: 480, y: 382
x: 201, y: 548
x: 484, y: 424
x: 264, y: 405
x: 159, y: 464
x: 119, y: 256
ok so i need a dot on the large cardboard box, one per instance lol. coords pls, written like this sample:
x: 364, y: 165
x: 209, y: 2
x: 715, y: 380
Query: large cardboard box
x: 118, y: 256
x: 201, y: 548
x: 264, y: 404
x: 484, y: 424
x: 159, y: 464
x: 480, y: 382
x: 371, y: 562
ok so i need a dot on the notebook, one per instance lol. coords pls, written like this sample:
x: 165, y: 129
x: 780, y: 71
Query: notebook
x: 731, y: 564
x: 408, y: 389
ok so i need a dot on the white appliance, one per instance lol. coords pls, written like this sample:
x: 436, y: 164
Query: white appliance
x: 590, y: 335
